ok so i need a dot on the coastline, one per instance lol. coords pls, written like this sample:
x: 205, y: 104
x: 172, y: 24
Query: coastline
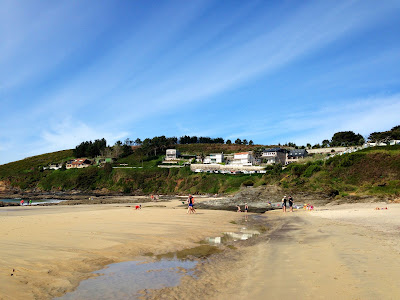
x: 317, y: 254
x: 53, y: 248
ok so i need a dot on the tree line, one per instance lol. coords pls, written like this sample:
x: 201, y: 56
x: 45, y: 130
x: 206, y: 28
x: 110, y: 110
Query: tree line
x: 156, y: 145
x: 385, y: 136
x: 100, y: 148
x: 189, y: 140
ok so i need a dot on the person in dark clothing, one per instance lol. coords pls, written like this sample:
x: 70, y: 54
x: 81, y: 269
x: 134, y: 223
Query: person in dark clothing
x: 291, y: 203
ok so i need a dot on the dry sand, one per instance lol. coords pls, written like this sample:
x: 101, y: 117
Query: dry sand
x: 347, y: 251
x: 53, y: 248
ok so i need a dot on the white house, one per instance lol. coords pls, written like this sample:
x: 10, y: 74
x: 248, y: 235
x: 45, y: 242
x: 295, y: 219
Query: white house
x: 214, y: 158
x: 53, y: 167
x: 381, y: 144
x: 394, y: 142
x: 172, y: 154
x: 243, y: 159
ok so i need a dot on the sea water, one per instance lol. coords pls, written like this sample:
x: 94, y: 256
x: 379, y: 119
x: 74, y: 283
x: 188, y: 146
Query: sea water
x: 124, y: 280
x: 34, y: 202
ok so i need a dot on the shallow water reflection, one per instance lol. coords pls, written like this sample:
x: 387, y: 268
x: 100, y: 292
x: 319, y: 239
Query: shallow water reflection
x: 242, y: 235
x: 124, y: 280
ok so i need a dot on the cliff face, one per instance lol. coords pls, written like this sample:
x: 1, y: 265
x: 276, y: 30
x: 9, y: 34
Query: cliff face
x: 4, y: 187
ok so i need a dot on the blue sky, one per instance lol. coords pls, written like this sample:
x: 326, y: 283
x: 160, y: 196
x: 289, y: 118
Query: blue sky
x: 270, y: 71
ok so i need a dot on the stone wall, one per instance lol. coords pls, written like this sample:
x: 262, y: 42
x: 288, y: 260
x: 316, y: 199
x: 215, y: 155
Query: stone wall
x: 218, y: 167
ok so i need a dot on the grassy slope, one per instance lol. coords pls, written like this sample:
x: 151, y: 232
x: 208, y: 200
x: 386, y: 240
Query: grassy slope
x: 371, y: 171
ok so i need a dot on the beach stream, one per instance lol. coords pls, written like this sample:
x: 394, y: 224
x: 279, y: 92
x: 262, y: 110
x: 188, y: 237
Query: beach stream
x: 128, y: 280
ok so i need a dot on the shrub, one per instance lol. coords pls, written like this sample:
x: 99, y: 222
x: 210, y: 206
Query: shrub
x: 248, y: 182
x: 311, y: 170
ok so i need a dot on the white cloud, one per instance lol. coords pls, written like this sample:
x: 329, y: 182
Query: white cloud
x: 364, y: 116
x: 69, y: 133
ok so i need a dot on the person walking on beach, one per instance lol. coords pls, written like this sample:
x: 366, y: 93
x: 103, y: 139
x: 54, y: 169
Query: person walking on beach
x: 284, y: 204
x: 30, y: 202
x: 190, y: 202
x: 238, y: 208
x: 290, y: 203
x: 21, y: 202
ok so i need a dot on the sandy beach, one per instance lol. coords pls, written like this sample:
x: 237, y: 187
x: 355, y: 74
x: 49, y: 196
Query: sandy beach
x: 53, y: 248
x: 349, y: 251
x: 337, y: 252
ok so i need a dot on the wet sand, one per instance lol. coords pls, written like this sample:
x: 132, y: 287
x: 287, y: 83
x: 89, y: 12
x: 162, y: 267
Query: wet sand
x: 53, y: 248
x: 341, y: 252
x: 348, y: 251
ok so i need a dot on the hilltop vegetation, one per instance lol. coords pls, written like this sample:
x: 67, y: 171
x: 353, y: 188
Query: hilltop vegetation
x: 373, y: 171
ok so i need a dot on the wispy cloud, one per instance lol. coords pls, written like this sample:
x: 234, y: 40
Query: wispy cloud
x: 362, y: 116
x: 114, y: 67
x: 68, y: 133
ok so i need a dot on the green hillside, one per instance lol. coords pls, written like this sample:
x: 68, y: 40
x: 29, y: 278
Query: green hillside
x: 366, y: 172
x: 374, y: 171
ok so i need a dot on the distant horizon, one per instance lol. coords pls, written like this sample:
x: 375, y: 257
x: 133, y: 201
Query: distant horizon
x: 271, y: 72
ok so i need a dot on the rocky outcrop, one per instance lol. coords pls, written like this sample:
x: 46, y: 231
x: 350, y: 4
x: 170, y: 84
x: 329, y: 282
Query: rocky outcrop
x: 258, y: 199
x: 3, y: 187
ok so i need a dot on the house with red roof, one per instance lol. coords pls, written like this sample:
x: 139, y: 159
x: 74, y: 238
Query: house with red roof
x: 78, y: 163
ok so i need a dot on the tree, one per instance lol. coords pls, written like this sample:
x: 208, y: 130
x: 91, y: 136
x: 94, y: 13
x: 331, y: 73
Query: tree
x: 346, y: 138
x: 89, y: 148
x: 325, y: 143
x: 244, y: 142
x: 385, y: 136
x: 138, y: 141
x: 219, y: 140
x: 308, y: 145
x: 238, y: 141
x: 228, y: 142
x: 251, y: 142
x: 117, y: 150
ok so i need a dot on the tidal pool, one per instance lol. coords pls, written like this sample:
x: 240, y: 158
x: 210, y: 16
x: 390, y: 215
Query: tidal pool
x: 124, y: 280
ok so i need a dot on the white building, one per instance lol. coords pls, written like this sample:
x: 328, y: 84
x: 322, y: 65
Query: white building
x: 381, y: 144
x: 394, y: 142
x: 243, y: 159
x: 214, y: 158
x: 53, y: 167
x: 172, y: 154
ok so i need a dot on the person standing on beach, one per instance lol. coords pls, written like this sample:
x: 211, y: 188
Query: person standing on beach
x: 284, y: 204
x: 30, y: 202
x: 290, y: 203
x: 21, y: 203
x: 246, y: 208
